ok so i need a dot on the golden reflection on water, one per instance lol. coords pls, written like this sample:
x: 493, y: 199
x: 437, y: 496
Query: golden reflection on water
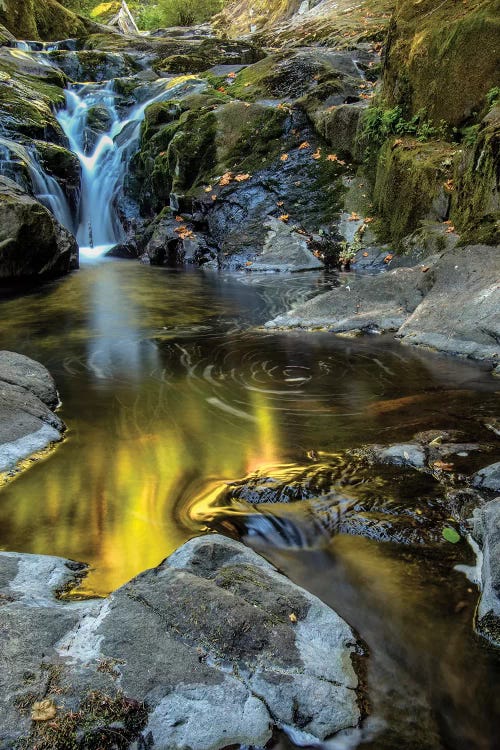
x: 166, y: 397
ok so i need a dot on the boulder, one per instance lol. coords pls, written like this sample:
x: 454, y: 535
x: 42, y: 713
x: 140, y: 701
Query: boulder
x: 212, y: 648
x: 488, y: 478
x: 28, y: 397
x: 284, y: 250
x: 32, y: 242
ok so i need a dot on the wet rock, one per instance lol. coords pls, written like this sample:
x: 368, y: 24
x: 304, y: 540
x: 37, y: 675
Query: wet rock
x: 488, y: 478
x: 94, y: 65
x: 407, y: 454
x: 449, y: 305
x: 32, y: 242
x: 486, y: 531
x: 360, y: 303
x: 284, y: 250
x: 28, y: 397
x: 212, y: 648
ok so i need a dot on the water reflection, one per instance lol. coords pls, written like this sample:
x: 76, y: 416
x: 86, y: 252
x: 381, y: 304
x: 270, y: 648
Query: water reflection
x: 168, y: 394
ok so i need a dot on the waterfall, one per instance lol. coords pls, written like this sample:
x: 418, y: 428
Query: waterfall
x: 104, y: 165
x: 21, y: 164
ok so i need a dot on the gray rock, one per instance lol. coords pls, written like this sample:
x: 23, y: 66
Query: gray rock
x: 407, y: 454
x: 219, y: 645
x: 488, y: 478
x: 17, y: 369
x: 380, y: 303
x: 28, y: 396
x: 32, y: 242
x: 486, y: 531
x: 461, y: 313
x: 451, y: 304
x: 284, y: 250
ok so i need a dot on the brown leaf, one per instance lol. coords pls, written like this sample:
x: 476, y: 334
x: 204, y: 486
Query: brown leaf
x: 442, y: 466
x: 284, y: 217
x: 304, y: 145
x: 242, y: 177
x: 284, y: 157
x: 388, y: 258
x: 43, y: 710
x: 292, y: 617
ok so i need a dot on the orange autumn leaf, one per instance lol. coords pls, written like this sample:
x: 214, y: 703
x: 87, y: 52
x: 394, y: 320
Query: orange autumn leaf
x: 214, y: 197
x: 442, y: 466
x: 242, y: 177
x: 388, y: 258
x: 226, y: 179
x: 332, y: 157
x: 208, y: 189
x: 284, y: 217
x: 284, y: 157
x: 449, y: 185
x: 304, y: 145
x: 365, y: 255
x: 368, y: 220
x: 179, y: 219
x: 354, y: 217
x: 232, y: 74
x: 317, y: 154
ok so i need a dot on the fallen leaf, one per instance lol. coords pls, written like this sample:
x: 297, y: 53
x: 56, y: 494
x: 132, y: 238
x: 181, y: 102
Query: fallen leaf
x: 232, y: 74
x: 332, y: 157
x: 284, y: 157
x: 280, y: 203
x: 284, y: 217
x: 425, y: 269
x: 451, y: 535
x: 369, y: 219
x: 304, y: 145
x: 442, y: 466
x: 226, y: 179
x: 208, y: 189
x: 317, y: 154
x: 249, y: 263
x: 365, y: 255
x: 354, y: 217
x: 242, y: 177
x: 43, y: 710
x: 214, y: 197
x: 179, y: 219
x: 293, y: 617
x: 388, y: 258
x: 449, y: 185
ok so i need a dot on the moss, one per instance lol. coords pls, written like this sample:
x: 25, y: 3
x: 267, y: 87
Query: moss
x: 102, y: 722
x: 444, y: 58
x: 409, y: 184
x: 40, y: 19
x: 248, y: 137
x: 476, y: 195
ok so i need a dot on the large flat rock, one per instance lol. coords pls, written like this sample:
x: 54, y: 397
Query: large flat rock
x: 449, y: 304
x: 212, y: 648
x: 487, y: 534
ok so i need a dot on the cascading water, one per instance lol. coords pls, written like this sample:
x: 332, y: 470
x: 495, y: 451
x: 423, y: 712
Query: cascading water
x: 104, y: 166
x: 22, y: 165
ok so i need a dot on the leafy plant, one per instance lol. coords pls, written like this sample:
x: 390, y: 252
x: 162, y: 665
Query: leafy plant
x: 493, y: 97
x: 380, y: 124
x: 178, y: 13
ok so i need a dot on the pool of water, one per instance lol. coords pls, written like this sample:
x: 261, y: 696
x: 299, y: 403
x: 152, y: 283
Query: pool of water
x: 169, y: 389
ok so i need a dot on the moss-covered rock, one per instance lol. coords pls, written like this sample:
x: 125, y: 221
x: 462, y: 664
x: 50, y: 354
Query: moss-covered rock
x: 442, y: 58
x: 476, y: 194
x: 203, y: 55
x: 94, y: 65
x: 32, y: 242
x: 41, y: 19
x: 410, y: 184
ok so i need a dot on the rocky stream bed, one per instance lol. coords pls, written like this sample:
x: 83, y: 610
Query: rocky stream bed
x: 254, y: 247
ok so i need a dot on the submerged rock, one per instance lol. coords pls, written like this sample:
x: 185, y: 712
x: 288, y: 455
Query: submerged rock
x: 212, y: 648
x: 28, y: 397
x: 32, y: 242
x: 487, y: 533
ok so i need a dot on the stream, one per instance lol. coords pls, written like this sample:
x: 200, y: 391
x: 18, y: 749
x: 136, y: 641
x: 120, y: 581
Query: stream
x: 171, y: 390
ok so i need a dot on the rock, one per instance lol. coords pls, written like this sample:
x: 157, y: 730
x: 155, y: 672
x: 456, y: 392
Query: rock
x: 94, y: 65
x: 339, y: 126
x: 459, y: 314
x: 486, y: 531
x: 28, y: 397
x: 360, y: 303
x: 215, y: 642
x: 32, y: 242
x: 450, y: 304
x: 284, y: 250
x: 407, y: 454
x: 488, y: 478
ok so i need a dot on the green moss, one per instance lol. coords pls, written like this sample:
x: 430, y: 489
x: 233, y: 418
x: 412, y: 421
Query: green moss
x: 248, y: 137
x: 409, y: 184
x: 443, y: 58
x: 476, y: 195
x: 40, y: 19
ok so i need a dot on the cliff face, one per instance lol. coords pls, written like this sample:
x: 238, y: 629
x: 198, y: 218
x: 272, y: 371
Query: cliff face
x: 40, y: 19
